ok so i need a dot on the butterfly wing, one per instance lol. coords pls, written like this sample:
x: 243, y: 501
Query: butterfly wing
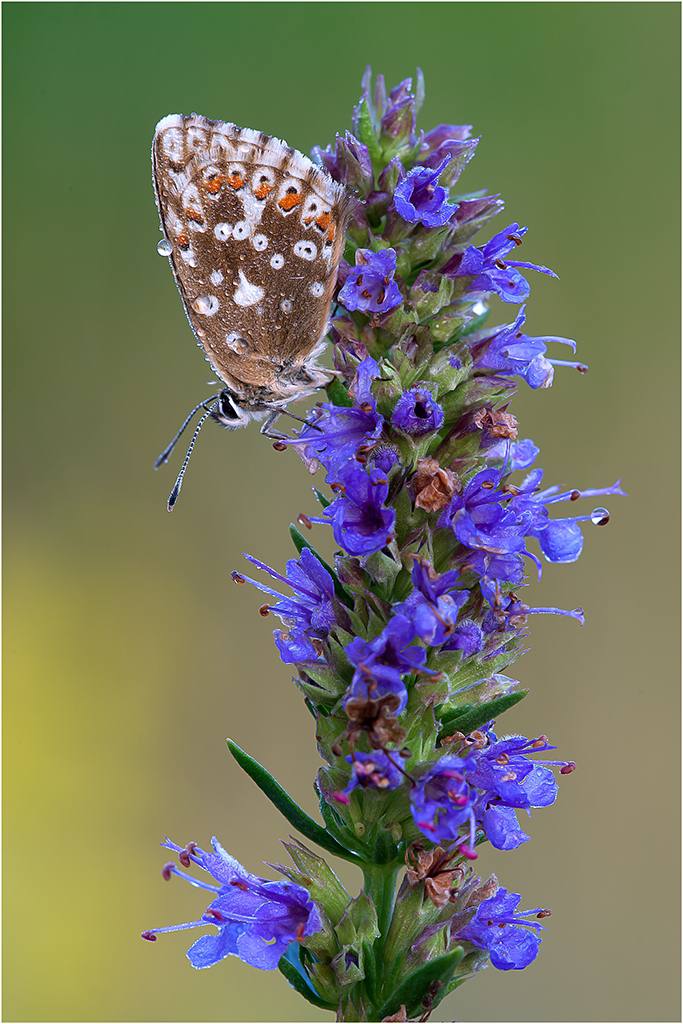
x: 257, y: 232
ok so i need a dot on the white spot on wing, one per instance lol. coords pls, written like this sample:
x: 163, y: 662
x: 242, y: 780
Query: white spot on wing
x: 306, y: 250
x: 277, y: 261
x: 240, y: 230
x: 247, y: 294
x: 260, y: 242
x: 223, y: 231
x: 216, y: 277
x: 286, y: 306
x: 317, y: 289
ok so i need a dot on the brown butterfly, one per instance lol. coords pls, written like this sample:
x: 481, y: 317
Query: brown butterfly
x: 254, y: 232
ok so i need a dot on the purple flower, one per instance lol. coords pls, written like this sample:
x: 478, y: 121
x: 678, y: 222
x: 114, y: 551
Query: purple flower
x: 560, y: 540
x: 335, y: 433
x: 311, y: 606
x: 416, y: 412
x: 510, y: 351
x: 360, y: 522
x: 443, y: 801
x: 514, y: 455
x: 255, y: 919
x: 491, y: 272
x: 381, y: 662
x: 508, y: 612
x: 450, y: 141
x: 377, y: 770
x: 466, y: 637
x: 350, y: 162
x: 434, y: 604
x: 507, y: 778
x: 418, y: 197
x: 501, y: 929
x: 370, y: 285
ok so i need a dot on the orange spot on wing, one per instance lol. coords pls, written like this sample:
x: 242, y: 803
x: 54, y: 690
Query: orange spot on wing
x: 289, y: 201
x: 324, y: 221
x: 195, y: 216
x: 331, y: 233
x: 263, y: 190
x: 235, y: 180
x: 213, y: 184
x: 183, y: 241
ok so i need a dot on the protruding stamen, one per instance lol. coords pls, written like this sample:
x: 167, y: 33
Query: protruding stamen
x: 467, y: 852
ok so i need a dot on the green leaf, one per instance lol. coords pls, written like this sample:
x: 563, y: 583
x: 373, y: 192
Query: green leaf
x: 337, y: 393
x: 300, y: 543
x: 475, y: 717
x: 297, y: 980
x: 287, y: 807
x: 411, y: 992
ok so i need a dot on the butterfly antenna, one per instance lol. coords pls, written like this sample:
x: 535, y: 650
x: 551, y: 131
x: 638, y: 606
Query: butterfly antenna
x: 165, y: 455
x: 173, y: 496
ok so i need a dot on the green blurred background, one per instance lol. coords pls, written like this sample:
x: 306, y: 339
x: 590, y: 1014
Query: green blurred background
x: 129, y: 653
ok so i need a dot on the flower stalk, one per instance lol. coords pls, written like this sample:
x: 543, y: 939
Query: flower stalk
x: 401, y: 647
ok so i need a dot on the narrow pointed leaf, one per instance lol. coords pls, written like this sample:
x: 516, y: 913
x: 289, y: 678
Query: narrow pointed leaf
x: 410, y: 993
x: 287, y: 807
x: 475, y: 717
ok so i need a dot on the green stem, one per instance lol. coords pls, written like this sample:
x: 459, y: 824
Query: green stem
x: 380, y: 885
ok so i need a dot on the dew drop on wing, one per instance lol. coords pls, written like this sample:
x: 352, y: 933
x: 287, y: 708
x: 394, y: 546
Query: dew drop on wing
x: 164, y: 247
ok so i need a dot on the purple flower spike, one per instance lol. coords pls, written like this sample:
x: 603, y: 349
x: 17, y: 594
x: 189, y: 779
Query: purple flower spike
x: 501, y: 929
x: 416, y: 412
x: 256, y: 919
x: 419, y: 197
x: 370, y: 285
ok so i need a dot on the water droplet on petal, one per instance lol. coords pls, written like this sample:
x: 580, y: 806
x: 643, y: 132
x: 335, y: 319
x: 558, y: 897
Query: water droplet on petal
x: 164, y: 248
x: 600, y: 517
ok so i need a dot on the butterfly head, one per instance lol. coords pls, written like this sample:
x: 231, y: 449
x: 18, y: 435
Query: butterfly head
x: 229, y: 411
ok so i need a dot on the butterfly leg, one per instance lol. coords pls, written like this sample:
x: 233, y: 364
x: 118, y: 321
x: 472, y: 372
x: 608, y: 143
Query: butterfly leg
x: 272, y: 417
